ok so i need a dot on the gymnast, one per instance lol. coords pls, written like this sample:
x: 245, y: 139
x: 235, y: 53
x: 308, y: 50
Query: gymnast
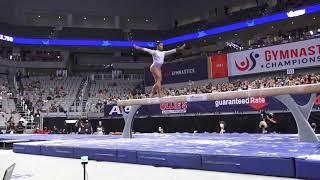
x: 158, y: 59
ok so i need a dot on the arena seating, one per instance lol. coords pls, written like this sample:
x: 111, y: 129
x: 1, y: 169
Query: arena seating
x: 141, y: 35
x: 8, y: 105
x: 101, y: 91
x: 32, y: 32
x: 47, y: 93
x: 8, y: 109
x: 106, y: 90
x: 5, y: 28
x: 235, y: 85
x: 91, y: 33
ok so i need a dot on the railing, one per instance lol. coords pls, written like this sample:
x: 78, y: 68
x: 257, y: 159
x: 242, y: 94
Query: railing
x: 118, y: 77
x: 33, y: 64
x: 82, y: 96
x: 15, y: 83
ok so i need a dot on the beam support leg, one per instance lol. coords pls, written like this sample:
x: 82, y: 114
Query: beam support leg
x: 301, y: 115
x: 128, y: 120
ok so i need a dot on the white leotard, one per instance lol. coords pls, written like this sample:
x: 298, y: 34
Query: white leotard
x: 158, y: 56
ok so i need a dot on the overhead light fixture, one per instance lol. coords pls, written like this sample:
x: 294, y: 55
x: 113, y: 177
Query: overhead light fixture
x: 128, y: 20
x: 311, y: 33
x: 59, y: 17
x: 39, y: 16
x: 314, y: 18
x: 104, y: 19
x: 84, y: 18
x: 147, y: 20
x: 291, y: 22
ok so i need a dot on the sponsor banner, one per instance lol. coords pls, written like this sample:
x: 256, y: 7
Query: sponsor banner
x: 173, y: 108
x: 286, y: 56
x: 219, y: 66
x: 240, y: 105
x: 182, y: 71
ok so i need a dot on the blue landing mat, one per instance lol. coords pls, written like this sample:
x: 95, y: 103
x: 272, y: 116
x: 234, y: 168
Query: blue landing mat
x: 308, y: 166
x: 271, y: 154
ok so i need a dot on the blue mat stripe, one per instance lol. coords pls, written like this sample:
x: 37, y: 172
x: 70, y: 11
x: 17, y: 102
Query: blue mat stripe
x: 127, y: 156
x: 307, y: 169
x: 57, y: 151
x: 251, y: 165
x: 96, y: 154
x: 27, y: 149
x: 152, y: 158
x: 188, y: 161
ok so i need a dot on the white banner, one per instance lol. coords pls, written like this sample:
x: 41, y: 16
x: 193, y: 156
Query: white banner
x: 286, y: 56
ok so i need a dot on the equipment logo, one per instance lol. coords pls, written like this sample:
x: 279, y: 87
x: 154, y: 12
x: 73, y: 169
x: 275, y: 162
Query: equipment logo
x: 173, y: 108
x: 256, y: 103
x: 245, y: 65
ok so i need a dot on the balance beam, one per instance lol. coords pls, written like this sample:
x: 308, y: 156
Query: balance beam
x: 275, y: 91
x: 283, y: 94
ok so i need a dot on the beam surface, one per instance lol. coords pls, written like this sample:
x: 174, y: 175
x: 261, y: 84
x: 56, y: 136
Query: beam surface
x: 275, y: 91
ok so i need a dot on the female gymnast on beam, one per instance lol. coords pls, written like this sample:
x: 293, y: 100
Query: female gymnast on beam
x: 158, y: 59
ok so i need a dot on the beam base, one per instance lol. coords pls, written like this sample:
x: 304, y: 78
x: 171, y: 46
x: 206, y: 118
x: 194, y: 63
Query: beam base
x: 301, y: 115
x: 128, y: 119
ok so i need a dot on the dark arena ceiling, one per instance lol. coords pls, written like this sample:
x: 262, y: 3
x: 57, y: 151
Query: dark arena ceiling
x: 12, y: 10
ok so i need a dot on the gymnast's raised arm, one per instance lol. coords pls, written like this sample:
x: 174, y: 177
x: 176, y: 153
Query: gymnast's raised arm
x: 150, y: 51
x: 172, y: 51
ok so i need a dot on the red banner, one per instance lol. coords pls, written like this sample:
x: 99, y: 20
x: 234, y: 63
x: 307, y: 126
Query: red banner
x: 219, y: 66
